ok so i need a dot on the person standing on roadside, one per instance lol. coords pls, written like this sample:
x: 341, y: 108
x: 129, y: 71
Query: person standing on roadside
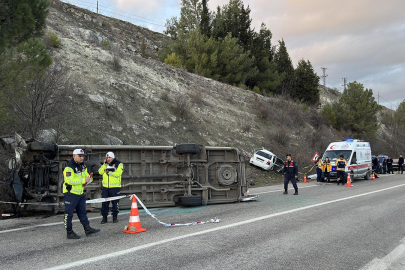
x: 111, y: 170
x: 341, y: 164
x: 290, y: 173
x: 75, y: 178
x: 384, y: 165
x: 401, y: 164
x: 376, y: 161
x: 319, y: 166
x: 327, y: 168
x: 389, y: 165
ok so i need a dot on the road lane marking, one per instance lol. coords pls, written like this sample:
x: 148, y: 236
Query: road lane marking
x: 92, y: 218
x: 134, y: 249
x: 395, y: 256
x: 52, y: 224
x: 278, y: 190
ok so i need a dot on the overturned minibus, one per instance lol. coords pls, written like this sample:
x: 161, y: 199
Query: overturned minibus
x: 184, y: 174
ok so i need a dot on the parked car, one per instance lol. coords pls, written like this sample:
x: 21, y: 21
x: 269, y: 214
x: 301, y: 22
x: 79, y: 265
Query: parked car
x: 266, y: 160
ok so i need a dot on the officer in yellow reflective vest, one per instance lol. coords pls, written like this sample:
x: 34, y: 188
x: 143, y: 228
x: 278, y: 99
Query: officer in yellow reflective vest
x: 111, y: 171
x: 75, y: 178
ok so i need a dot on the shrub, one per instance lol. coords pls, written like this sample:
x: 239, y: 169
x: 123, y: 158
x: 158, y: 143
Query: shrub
x: 246, y: 128
x: 105, y: 43
x: 173, y: 60
x: 116, y: 63
x: 181, y: 106
x: 144, y: 47
x: 165, y: 96
x: 196, y: 96
x: 52, y: 40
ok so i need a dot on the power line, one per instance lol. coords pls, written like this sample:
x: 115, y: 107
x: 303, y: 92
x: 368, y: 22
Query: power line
x: 118, y: 13
x: 134, y: 14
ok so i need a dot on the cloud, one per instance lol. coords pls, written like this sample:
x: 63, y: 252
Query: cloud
x: 361, y: 40
x: 358, y: 39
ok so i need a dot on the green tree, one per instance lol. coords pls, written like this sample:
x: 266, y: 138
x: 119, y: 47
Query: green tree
x: 285, y: 67
x: 305, y: 83
x: 358, y: 110
x: 21, y: 20
x: 217, y: 27
x: 23, y: 57
x: 267, y: 77
x: 234, y: 65
x: 329, y: 115
x: 205, y: 24
x: 399, y: 116
x: 190, y: 15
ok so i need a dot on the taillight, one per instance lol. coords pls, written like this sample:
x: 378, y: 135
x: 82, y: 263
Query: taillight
x: 268, y: 162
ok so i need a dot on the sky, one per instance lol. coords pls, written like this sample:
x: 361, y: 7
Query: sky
x: 361, y: 40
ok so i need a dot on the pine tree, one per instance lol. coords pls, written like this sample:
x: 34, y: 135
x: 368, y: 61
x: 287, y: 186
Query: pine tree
x: 218, y: 27
x: 21, y: 20
x: 359, y: 110
x: 190, y: 15
x: 305, y: 83
x: 23, y: 57
x: 284, y: 66
x: 205, y: 24
x: 267, y: 78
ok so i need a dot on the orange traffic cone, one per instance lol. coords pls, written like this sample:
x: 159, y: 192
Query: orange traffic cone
x: 349, y: 182
x: 373, y: 178
x: 134, y: 224
x: 305, y: 178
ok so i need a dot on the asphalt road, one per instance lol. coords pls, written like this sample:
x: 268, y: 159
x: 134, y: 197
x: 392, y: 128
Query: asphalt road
x: 324, y: 227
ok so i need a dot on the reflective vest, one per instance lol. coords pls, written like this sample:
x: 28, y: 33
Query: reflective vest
x: 341, y: 164
x: 112, y: 179
x: 327, y: 167
x: 320, y: 164
x: 74, y: 176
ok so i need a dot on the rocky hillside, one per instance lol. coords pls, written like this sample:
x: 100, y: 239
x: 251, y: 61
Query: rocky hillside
x: 119, y: 93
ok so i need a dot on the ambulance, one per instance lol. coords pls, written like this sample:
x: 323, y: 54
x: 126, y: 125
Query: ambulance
x: 356, y: 152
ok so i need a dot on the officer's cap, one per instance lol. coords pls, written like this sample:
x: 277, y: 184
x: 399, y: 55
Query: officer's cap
x: 79, y: 152
x: 110, y: 154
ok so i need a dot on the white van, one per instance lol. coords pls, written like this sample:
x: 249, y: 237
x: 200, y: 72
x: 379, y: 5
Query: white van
x: 356, y: 152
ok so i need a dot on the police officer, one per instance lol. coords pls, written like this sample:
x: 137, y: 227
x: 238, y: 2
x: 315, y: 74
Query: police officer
x: 401, y: 164
x: 389, y: 165
x: 384, y: 165
x: 290, y: 173
x: 75, y: 178
x: 111, y: 171
x: 340, y: 169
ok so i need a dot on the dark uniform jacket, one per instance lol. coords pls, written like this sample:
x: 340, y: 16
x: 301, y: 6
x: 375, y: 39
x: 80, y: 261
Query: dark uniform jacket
x: 400, y: 161
x: 290, y: 168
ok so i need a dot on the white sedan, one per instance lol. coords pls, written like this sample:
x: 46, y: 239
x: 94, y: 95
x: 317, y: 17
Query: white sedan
x: 263, y: 159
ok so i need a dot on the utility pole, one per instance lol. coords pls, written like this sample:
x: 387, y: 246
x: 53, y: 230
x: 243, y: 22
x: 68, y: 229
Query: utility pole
x: 324, y: 77
x: 97, y: 7
x: 344, y: 83
x: 378, y: 98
